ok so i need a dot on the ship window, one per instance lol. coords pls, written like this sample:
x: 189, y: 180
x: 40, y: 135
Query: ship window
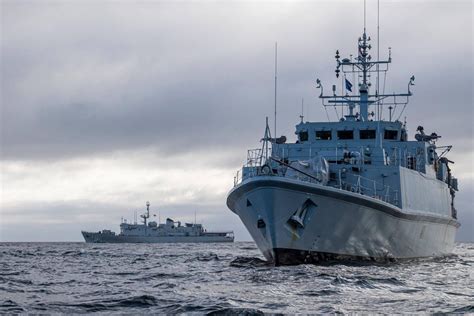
x: 389, y: 134
x: 367, y: 134
x: 345, y: 134
x: 323, y: 135
x: 303, y: 136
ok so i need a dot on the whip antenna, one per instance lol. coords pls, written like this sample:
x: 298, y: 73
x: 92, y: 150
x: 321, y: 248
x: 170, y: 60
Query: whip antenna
x: 276, y: 74
x: 379, y: 106
x: 364, y: 16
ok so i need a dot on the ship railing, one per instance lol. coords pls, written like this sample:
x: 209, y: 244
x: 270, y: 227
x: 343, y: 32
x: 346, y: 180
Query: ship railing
x: 368, y: 187
x: 255, y: 160
x: 251, y: 171
x: 358, y: 184
x: 408, y: 159
x: 255, y: 157
x: 396, y: 157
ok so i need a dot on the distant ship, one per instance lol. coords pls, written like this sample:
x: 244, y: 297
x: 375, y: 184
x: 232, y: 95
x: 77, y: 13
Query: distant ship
x: 153, y: 232
x: 352, y: 189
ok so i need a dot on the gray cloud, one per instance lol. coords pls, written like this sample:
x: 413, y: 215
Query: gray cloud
x: 87, y: 79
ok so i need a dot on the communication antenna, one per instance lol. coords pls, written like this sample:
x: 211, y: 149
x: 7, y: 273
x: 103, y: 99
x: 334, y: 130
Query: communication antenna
x: 194, y: 217
x: 364, y: 16
x: 302, y: 110
x: 276, y: 74
x: 378, y: 58
x: 379, y: 107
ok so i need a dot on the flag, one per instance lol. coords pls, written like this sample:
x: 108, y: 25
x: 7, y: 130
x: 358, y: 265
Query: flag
x: 348, y: 85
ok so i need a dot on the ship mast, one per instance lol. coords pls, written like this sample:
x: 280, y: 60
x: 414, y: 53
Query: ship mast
x: 363, y: 66
x: 147, y: 214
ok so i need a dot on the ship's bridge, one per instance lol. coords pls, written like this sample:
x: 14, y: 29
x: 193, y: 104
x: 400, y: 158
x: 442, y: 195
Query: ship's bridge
x: 349, y: 131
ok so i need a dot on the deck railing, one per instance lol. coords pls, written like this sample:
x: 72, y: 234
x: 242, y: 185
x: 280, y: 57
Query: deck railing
x: 353, y: 182
x: 395, y: 157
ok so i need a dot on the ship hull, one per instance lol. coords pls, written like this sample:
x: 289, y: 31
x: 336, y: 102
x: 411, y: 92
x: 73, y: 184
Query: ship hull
x: 97, y: 237
x: 333, y: 224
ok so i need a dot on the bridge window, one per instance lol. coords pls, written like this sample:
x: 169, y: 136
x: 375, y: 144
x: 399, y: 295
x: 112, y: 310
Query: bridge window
x: 389, y: 134
x: 303, y: 136
x: 323, y: 135
x: 345, y: 134
x: 367, y: 134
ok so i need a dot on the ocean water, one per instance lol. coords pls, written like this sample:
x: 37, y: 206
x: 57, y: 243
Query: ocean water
x: 221, y: 279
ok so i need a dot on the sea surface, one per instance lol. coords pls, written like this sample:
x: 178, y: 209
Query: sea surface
x: 221, y: 279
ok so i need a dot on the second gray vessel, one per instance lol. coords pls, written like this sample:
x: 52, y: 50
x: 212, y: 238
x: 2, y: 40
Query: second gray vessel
x: 152, y: 232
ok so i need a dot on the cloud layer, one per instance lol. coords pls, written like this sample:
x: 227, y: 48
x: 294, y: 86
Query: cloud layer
x: 111, y: 104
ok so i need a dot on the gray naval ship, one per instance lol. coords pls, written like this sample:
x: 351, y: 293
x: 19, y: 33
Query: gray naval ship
x: 153, y: 232
x: 353, y: 189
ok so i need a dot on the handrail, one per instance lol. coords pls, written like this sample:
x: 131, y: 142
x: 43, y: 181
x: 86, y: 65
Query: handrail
x: 293, y: 168
x: 256, y: 159
x: 388, y: 194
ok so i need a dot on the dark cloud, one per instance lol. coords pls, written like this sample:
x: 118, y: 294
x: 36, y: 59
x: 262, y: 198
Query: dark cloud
x: 86, y: 78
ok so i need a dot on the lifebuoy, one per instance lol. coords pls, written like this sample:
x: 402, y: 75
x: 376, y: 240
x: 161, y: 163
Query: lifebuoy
x: 266, y: 169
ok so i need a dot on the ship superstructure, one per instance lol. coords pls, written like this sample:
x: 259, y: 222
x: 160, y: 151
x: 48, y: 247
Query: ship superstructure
x: 152, y: 232
x: 356, y: 188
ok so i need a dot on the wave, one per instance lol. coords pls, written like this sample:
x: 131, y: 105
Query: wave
x: 10, y: 306
x: 248, y: 262
x: 165, y: 285
x: 220, y: 280
x: 236, y: 311
x: 205, y: 257
x: 142, y: 301
x: 464, y: 309
x: 160, y: 275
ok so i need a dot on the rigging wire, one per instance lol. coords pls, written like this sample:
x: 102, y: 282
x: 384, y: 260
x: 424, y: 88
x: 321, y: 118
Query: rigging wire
x: 276, y: 51
x: 327, y: 114
x: 404, y: 106
x: 383, y: 90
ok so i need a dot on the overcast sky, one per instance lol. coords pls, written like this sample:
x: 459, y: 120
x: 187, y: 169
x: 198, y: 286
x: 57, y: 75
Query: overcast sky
x: 108, y: 104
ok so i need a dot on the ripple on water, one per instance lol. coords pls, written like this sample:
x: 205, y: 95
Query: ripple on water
x: 142, y: 301
x: 10, y: 306
x: 323, y: 292
x: 248, y: 262
x: 231, y: 311
x: 217, y: 279
x: 463, y: 309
